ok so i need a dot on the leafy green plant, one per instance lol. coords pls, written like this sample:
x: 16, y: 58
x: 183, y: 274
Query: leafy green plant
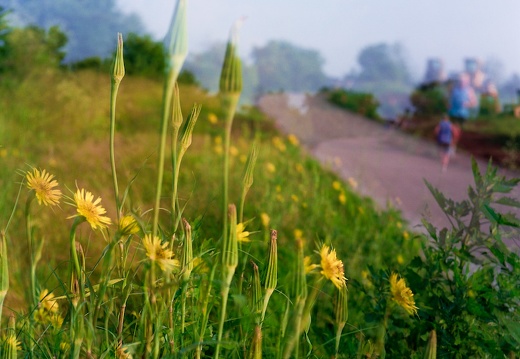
x: 466, y: 280
x: 364, y: 104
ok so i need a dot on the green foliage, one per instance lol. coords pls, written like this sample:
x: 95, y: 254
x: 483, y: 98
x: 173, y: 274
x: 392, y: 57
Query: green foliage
x: 467, y: 280
x: 29, y: 49
x: 144, y: 56
x: 89, y: 25
x: 429, y: 100
x: 364, y: 104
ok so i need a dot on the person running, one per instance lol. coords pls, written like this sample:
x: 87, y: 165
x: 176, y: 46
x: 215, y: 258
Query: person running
x: 462, y: 100
x: 444, y: 132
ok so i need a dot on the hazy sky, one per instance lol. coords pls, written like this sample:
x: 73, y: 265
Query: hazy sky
x: 339, y: 29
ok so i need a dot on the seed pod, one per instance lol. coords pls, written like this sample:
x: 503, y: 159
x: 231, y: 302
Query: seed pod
x: 187, y: 252
x: 176, y: 41
x: 247, y: 181
x: 176, y: 108
x: 188, y: 130
x: 431, y: 348
x: 256, y: 296
x: 230, y: 242
x: 118, y: 67
x: 231, y: 74
x: 271, y: 274
x: 341, y: 312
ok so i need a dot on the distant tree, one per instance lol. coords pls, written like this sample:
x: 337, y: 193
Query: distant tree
x: 383, y: 63
x: 4, y: 32
x: 143, y: 56
x: 283, y: 66
x: 384, y: 72
x: 206, y: 65
x: 91, y: 26
x: 32, y: 48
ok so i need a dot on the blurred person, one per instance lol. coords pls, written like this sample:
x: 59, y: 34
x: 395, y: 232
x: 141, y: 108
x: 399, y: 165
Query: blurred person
x: 444, y: 134
x: 462, y: 99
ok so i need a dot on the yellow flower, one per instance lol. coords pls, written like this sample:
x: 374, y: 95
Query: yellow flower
x: 48, y: 302
x: 406, y: 235
x: 233, y: 151
x: 44, y: 186
x: 242, y: 158
x: 270, y: 167
x: 400, y: 259
x: 278, y: 143
x: 298, y: 233
x: 264, y: 217
x: 212, y: 118
x: 332, y: 267
x: 336, y: 185
x: 342, y: 198
x: 218, y: 140
x: 294, y: 198
x: 278, y: 188
x: 91, y: 210
x: 299, y: 168
x: 160, y: 253
x: 122, y: 353
x: 402, y: 295
x: 218, y: 149
x: 128, y: 225
x: 308, y: 265
x: 3, y: 153
x: 399, y: 225
x: 293, y: 140
x: 242, y: 234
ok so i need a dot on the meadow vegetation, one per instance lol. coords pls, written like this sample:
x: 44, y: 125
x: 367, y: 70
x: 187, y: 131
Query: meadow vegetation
x: 135, y: 226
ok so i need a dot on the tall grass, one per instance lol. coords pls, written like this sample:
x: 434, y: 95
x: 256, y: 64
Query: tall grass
x: 161, y: 270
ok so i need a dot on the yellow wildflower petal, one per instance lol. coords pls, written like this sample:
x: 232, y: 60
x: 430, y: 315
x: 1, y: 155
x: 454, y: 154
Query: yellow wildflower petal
x: 90, y: 209
x: 160, y: 253
x: 44, y: 186
x: 242, y: 234
x: 332, y: 267
x: 402, y: 295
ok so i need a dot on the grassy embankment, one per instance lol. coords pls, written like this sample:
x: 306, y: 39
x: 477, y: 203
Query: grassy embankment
x: 60, y: 122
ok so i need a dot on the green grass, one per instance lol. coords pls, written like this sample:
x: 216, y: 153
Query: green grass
x: 67, y: 134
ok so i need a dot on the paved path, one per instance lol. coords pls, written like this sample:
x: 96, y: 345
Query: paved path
x: 388, y: 165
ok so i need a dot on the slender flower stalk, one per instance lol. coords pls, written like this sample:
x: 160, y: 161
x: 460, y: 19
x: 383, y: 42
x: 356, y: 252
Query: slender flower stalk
x: 229, y: 257
x: 271, y: 274
x: 341, y: 313
x: 230, y: 89
x: 300, y: 297
x: 247, y: 180
x: 186, y: 269
x: 118, y: 72
x: 176, y: 125
x: 176, y: 44
x: 4, y: 270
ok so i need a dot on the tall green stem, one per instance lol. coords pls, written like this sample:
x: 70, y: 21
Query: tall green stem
x: 167, y: 99
x: 118, y: 72
x: 113, y: 99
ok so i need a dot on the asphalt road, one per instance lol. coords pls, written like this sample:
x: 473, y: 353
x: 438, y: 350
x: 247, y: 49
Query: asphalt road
x: 388, y: 165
